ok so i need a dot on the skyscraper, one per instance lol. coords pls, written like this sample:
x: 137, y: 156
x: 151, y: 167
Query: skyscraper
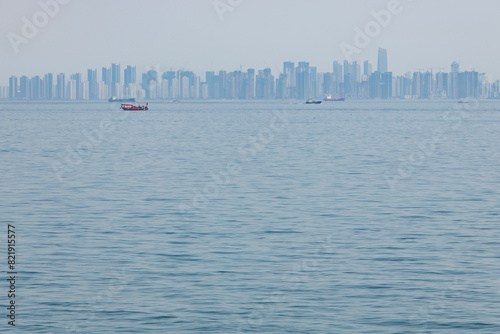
x: 338, y: 78
x: 149, y: 83
x: 92, y: 78
x: 61, y: 86
x: 382, y: 60
x: 251, y: 83
x: 130, y: 75
x: 106, y: 76
x: 36, y: 88
x: 12, y: 87
x: 386, y: 85
x: 455, y: 70
x: 24, y: 87
x: 289, y: 72
x: 367, y: 68
x: 303, y: 80
x: 115, y: 78
x: 48, y: 86
x: 76, y: 85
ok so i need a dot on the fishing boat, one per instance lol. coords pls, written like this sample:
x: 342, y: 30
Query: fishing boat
x: 126, y: 106
x: 312, y: 101
x: 330, y: 98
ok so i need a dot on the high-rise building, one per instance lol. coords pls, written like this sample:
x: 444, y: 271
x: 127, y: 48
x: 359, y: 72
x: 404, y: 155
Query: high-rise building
x: 12, y: 87
x: 36, y: 88
x: 338, y: 79
x: 327, y: 84
x: 386, y: 85
x: 92, y: 79
x: 251, y: 83
x: 426, y: 85
x: 48, y: 86
x: 76, y: 86
x: 130, y: 75
x: 264, y: 84
x: 24, y: 87
x: 115, y: 78
x: 106, y: 76
x: 281, y: 88
x: 61, y: 86
x: 303, y: 80
x: 374, y: 83
x: 455, y: 70
x: 442, y: 84
x: 382, y: 61
x: 367, y: 68
x: 468, y: 84
x: 313, y: 73
x: 348, y: 79
x: 150, y: 82
x: 290, y: 79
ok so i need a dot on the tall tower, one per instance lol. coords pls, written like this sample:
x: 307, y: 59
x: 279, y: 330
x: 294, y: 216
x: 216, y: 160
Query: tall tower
x: 382, y: 60
x: 115, y: 78
x: 367, y: 68
x: 13, y: 87
x: 92, y: 78
x: 454, y: 75
x: 303, y: 80
x: 338, y: 79
x: 130, y: 75
x: 48, y: 86
x: 289, y: 71
x: 61, y: 86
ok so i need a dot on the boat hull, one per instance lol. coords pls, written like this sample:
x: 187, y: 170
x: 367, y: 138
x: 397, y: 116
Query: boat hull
x: 130, y: 107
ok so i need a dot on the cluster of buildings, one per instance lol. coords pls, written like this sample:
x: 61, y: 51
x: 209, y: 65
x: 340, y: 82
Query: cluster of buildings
x: 351, y: 80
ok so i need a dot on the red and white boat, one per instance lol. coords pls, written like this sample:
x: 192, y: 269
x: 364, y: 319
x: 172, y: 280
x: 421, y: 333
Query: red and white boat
x: 127, y: 106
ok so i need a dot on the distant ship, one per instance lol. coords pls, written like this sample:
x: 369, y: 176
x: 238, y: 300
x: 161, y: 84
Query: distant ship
x: 330, y: 98
x: 114, y: 99
x: 312, y: 101
x: 126, y: 106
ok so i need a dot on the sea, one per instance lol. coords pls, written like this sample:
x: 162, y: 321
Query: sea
x: 252, y: 217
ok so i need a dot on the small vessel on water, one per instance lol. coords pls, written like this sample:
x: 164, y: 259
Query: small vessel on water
x: 312, y: 101
x: 126, y: 106
x: 330, y: 98
x: 114, y: 99
x: 463, y: 101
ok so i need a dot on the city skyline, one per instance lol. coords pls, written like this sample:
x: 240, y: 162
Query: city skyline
x: 200, y: 36
x: 299, y: 80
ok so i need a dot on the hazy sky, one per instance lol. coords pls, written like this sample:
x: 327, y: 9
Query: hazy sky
x: 190, y: 34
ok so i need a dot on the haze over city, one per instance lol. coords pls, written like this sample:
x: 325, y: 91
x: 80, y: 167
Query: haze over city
x: 250, y: 166
x: 208, y: 35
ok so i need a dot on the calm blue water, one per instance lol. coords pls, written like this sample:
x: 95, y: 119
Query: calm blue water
x: 253, y: 217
